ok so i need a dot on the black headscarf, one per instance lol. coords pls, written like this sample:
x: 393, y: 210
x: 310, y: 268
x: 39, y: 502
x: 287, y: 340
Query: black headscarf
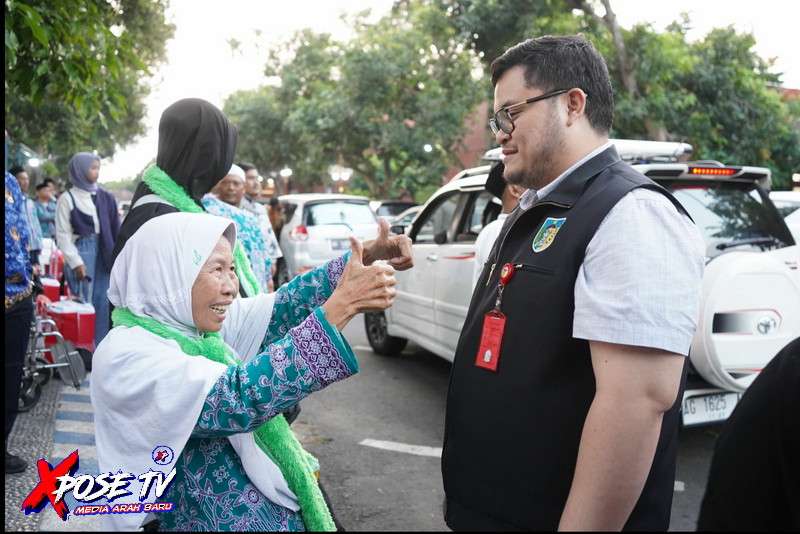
x: 196, y: 145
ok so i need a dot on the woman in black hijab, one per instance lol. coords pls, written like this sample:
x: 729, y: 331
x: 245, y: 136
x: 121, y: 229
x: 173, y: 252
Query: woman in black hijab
x: 196, y: 146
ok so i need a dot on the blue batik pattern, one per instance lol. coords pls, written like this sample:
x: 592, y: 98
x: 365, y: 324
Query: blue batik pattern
x: 297, y: 299
x: 249, y: 233
x: 18, y: 263
x: 211, y: 490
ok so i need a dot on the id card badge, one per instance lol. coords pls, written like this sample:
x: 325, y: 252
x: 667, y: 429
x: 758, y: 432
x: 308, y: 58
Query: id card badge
x: 494, y: 323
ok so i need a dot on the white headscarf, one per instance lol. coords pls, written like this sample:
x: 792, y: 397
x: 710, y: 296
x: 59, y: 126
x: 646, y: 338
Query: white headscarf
x: 237, y: 171
x: 146, y: 392
x: 154, y: 273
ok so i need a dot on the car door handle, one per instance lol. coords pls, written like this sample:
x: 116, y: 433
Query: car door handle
x: 432, y: 257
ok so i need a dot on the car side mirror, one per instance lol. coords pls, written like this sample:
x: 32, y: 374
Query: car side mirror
x: 398, y: 229
x: 440, y: 238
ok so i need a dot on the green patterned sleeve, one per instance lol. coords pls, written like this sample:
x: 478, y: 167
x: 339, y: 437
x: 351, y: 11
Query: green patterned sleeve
x: 308, y: 358
x: 302, y: 295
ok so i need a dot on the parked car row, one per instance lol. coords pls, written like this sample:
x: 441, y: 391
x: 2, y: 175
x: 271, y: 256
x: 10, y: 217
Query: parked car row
x: 751, y: 289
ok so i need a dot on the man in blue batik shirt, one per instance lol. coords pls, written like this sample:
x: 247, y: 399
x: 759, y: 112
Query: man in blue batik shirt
x: 19, y: 306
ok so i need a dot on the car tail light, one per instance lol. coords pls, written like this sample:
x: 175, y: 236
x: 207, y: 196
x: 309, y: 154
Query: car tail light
x: 713, y: 171
x: 299, y: 233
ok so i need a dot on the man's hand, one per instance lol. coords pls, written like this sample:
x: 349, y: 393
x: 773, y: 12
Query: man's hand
x: 80, y: 271
x: 392, y: 247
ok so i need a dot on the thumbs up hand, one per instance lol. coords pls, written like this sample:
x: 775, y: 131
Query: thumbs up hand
x: 361, y: 288
x: 392, y: 247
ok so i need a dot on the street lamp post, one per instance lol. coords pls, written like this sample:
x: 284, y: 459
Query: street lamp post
x: 340, y: 176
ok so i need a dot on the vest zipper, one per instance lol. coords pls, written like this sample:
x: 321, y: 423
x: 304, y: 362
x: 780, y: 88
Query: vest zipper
x: 503, y: 242
x: 533, y: 268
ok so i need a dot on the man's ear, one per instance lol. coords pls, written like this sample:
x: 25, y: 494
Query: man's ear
x: 576, y: 105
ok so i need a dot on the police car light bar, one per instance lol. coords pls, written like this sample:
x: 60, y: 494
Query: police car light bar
x: 629, y: 150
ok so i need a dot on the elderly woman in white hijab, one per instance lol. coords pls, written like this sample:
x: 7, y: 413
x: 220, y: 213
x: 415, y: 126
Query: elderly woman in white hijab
x: 256, y: 235
x: 194, y: 378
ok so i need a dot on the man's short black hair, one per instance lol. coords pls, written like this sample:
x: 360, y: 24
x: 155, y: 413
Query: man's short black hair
x: 49, y: 181
x: 15, y: 170
x: 246, y: 166
x: 563, y: 62
x: 41, y: 186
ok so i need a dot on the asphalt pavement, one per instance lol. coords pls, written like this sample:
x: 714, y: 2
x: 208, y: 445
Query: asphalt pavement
x: 377, y: 436
x: 398, y: 404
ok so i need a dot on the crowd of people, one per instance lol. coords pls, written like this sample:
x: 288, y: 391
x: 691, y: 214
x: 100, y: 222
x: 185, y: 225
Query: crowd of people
x: 563, y: 406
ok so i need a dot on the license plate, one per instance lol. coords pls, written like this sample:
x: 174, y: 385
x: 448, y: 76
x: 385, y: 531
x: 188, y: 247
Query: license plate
x: 340, y: 244
x: 709, y: 408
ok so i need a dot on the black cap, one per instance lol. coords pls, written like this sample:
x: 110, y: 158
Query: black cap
x: 495, y: 183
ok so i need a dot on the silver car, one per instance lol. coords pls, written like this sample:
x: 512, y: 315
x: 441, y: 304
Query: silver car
x: 318, y: 227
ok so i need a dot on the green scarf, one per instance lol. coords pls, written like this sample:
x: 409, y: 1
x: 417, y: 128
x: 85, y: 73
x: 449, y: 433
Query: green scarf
x: 162, y: 185
x: 274, y: 437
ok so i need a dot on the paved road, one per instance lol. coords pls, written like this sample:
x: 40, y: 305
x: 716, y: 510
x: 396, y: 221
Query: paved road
x: 402, y: 400
x: 393, y: 402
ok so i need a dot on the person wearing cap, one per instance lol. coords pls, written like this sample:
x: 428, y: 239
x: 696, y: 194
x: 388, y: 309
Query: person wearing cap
x: 261, y: 248
x: 509, y: 198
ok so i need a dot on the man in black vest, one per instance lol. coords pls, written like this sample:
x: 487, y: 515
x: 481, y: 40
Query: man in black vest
x: 563, y: 406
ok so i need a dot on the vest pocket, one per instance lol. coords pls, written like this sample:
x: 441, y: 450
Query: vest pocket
x: 534, y: 269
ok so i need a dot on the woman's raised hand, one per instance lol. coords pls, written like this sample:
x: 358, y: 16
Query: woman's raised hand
x: 361, y: 288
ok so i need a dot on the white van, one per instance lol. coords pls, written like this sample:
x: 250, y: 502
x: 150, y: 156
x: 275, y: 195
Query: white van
x: 751, y: 289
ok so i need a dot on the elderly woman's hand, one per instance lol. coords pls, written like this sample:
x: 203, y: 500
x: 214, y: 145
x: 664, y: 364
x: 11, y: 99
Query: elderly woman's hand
x: 361, y: 288
x: 392, y: 247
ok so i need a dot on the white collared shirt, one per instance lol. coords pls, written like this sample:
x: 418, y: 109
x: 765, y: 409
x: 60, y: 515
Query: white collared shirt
x: 641, y: 277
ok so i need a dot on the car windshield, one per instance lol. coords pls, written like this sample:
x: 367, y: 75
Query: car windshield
x: 339, y: 212
x: 390, y: 210
x: 731, y: 215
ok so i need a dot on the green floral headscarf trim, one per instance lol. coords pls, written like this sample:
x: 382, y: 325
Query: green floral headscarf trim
x: 162, y: 185
x: 274, y: 437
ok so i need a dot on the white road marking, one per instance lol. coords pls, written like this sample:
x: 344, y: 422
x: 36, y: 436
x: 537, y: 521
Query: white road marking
x: 419, y: 450
x: 62, y: 450
x: 679, y: 486
x: 75, y: 406
x: 362, y: 347
x: 84, y: 427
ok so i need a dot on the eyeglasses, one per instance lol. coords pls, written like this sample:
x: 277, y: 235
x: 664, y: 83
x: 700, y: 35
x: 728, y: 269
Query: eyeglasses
x: 502, y: 118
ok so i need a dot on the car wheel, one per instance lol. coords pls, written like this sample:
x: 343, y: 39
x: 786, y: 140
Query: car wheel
x: 378, y: 336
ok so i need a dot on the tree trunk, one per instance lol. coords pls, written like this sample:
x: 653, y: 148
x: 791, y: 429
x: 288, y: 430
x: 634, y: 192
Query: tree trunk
x: 655, y: 131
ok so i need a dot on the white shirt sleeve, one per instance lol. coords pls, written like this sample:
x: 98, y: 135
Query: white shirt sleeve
x: 64, y: 239
x: 483, y: 246
x: 641, y: 278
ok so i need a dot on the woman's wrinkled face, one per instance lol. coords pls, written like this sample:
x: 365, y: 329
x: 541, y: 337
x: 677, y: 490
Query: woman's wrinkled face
x: 94, y: 172
x: 214, y: 288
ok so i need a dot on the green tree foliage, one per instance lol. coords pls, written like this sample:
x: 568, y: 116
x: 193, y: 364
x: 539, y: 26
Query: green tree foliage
x: 76, y: 71
x: 716, y: 93
x: 371, y: 103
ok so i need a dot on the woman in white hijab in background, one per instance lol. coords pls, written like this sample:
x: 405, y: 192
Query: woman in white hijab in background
x: 169, y: 391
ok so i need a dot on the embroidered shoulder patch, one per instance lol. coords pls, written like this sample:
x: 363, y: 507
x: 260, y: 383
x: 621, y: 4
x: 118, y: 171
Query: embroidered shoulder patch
x: 547, y: 233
